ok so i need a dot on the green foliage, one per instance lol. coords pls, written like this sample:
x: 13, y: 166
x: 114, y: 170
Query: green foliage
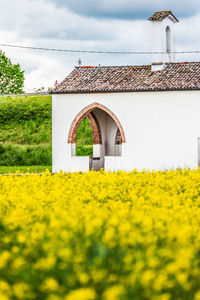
x: 84, y: 150
x: 25, y: 131
x: 29, y: 133
x: 84, y: 133
x: 25, y: 120
x: 14, y: 155
x: 11, y: 76
x: 24, y: 169
x: 84, y: 139
x: 23, y: 109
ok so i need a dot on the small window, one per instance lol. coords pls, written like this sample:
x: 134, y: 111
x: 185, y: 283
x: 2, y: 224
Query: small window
x: 168, y: 39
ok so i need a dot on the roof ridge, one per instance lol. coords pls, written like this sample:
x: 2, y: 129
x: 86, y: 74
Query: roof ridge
x: 121, y: 66
x: 184, y: 62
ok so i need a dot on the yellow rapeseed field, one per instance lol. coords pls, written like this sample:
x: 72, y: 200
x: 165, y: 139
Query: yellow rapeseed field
x: 100, y: 235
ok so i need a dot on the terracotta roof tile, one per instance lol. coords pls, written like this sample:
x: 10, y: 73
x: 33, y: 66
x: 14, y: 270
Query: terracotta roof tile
x: 176, y: 76
x: 160, y: 15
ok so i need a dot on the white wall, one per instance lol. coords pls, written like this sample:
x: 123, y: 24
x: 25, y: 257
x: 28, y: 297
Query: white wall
x: 108, y: 132
x: 111, y: 136
x: 161, y: 129
x: 159, y: 41
x: 101, y: 117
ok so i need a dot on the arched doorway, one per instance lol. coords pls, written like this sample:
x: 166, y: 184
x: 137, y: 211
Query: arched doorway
x: 107, y: 131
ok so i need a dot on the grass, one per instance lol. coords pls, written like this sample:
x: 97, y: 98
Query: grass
x: 28, y: 133
x: 23, y: 155
x: 24, y: 169
x: 25, y: 120
x: 25, y: 131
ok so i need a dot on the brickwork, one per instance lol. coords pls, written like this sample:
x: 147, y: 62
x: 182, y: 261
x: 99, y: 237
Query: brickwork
x: 94, y: 124
x: 87, y: 112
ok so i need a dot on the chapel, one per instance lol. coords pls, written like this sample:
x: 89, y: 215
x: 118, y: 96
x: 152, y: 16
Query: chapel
x: 144, y: 117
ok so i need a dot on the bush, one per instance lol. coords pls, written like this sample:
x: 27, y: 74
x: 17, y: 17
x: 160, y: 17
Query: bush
x: 84, y: 150
x: 11, y: 155
x: 25, y: 121
x: 25, y: 130
x: 13, y: 111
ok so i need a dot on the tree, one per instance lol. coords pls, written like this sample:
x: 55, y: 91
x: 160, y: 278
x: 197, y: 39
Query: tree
x: 11, y: 76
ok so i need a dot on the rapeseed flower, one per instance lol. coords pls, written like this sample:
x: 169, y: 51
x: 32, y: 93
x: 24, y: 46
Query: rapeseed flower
x: 100, y: 235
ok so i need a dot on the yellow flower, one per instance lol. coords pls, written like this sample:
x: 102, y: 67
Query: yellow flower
x: 18, y: 263
x: 4, y: 257
x: 81, y: 294
x: 49, y: 285
x: 114, y: 293
x: 165, y: 296
x: 54, y: 297
x: 197, y: 295
x: 147, y: 277
x: 21, y: 238
x: 20, y: 290
x: 3, y: 296
x: 77, y: 236
x: 5, y: 288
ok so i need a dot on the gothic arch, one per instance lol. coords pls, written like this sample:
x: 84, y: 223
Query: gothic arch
x: 87, y: 111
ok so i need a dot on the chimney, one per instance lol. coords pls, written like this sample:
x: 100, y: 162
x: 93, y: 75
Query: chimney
x: 163, y: 39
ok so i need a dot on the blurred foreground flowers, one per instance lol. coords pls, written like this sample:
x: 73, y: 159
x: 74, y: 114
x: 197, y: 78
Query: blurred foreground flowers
x: 100, y: 235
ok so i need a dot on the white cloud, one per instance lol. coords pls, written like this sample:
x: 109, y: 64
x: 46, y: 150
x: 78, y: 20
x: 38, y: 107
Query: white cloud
x: 129, y: 9
x: 42, y: 19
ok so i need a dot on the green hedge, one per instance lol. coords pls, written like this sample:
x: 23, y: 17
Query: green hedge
x: 24, y: 169
x: 25, y: 132
x: 24, y: 109
x: 84, y: 150
x: 14, y: 155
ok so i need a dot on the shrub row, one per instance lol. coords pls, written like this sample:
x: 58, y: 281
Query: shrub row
x: 16, y: 155
x: 19, y: 111
x: 12, y: 155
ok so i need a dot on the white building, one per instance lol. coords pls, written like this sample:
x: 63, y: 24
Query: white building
x: 145, y: 117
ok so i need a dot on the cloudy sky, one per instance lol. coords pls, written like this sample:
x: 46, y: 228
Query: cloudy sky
x: 90, y: 25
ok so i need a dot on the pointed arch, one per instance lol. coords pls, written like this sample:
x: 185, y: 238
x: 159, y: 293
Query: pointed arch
x: 84, y: 112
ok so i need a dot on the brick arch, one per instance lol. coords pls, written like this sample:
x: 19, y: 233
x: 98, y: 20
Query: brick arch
x: 96, y: 131
x: 95, y: 127
x: 88, y: 110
